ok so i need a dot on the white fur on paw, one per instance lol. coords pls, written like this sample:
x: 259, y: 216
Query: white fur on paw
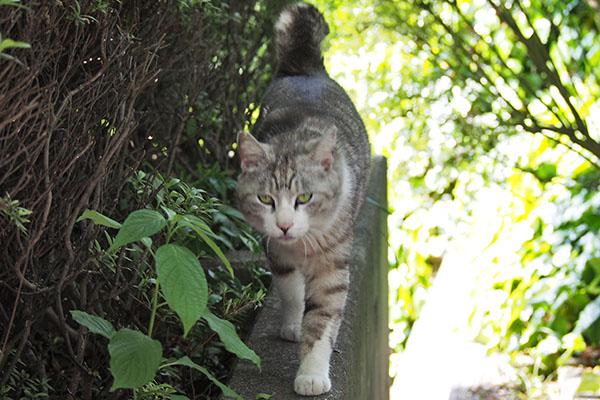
x: 291, y: 332
x: 312, y: 385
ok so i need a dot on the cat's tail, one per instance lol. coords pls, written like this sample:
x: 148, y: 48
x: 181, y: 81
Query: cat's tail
x: 299, y: 32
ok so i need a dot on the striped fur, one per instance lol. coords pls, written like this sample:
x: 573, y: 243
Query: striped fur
x: 308, y: 143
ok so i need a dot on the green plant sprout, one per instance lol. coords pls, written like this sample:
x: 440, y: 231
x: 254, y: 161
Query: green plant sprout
x: 6, y: 43
x: 15, y: 214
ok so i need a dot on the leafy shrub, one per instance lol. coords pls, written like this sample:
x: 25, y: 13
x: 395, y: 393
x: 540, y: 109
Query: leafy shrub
x: 175, y: 237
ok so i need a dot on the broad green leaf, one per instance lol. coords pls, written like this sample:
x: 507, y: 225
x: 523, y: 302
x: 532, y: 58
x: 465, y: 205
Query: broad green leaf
x: 203, y: 230
x: 93, y: 323
x: 99, y: 219
x: 134, y: 359
x: 230, y: 338
x: 183, y: 283
x: 189, y: 363
x: 137, y: 225
x: 588, y: 316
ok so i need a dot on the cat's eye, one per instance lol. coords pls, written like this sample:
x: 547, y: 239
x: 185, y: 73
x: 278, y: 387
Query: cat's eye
x: 303, y: 198
x: 266, y: 199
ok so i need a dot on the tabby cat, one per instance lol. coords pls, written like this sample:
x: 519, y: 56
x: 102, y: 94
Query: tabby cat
x: 304, y: 174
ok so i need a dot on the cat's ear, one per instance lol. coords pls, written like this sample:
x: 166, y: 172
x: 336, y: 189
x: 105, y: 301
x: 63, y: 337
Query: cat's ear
x: 252, y: 152
x: 324, y: 151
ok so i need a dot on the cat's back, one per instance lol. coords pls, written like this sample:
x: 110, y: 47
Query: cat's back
x: 302, y: 101
x: 293, y: 99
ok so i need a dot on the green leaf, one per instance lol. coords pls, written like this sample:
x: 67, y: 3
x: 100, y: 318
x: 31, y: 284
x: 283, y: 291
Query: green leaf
x: 230, y: 338
x: 10, y: 58
x: 263, y: 396
x: 134, y: 359
x: 93, y: 323
x: 137, y: 225
x: 186, y: 361
x: 14, y: 3
x: 183, y: 283
x: 99, y: 219
x: 9, y: 43
x: 170, y: 213
x: 231, y: 212
x: 203, y: 230
x: 587, y: 316
x: 379, y: 206
x: 590, y: 383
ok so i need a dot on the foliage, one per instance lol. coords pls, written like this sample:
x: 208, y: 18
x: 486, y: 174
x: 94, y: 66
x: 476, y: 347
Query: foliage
x: 136, y: 358
x: 23, y: 386
x: 176, y: 194
x: 550, y: 311
x: 487, y: 112
x: 13, y: 214
x: 520, y: 67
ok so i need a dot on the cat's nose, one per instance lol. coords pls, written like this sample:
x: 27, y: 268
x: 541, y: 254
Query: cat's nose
x: 284, y: 226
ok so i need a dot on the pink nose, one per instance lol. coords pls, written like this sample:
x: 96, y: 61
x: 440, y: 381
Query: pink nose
x: 284, y: 226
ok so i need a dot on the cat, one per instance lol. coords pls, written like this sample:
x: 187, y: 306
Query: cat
x: 304, y: 175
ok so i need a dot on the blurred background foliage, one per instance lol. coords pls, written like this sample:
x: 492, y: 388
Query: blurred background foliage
x: 489, y: 114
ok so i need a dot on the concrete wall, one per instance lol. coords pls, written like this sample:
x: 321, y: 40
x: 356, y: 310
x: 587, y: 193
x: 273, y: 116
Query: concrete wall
x: 359, y: 368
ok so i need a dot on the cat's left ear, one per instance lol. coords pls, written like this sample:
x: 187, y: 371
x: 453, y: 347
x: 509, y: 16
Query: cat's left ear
x: 252, y: 152
x: 324, y: 151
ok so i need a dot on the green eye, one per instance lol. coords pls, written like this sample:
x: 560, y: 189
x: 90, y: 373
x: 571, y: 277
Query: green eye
x: 266, y: 199
x: 304, y: 198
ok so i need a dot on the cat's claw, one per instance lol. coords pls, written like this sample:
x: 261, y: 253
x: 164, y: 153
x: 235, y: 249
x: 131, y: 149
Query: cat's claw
x: 291, y: 332
x: 311, y: 385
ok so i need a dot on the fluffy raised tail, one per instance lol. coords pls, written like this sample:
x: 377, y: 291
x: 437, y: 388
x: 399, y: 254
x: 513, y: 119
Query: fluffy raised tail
x: 299, y: 32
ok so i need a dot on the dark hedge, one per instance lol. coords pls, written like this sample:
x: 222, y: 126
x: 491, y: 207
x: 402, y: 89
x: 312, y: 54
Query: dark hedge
x: 107, y: 87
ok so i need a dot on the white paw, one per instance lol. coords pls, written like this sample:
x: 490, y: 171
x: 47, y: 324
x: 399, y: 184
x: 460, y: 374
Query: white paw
x: 312, y: 385
x: 291, y: 332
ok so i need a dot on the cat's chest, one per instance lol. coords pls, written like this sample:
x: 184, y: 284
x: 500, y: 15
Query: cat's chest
x: 299, y: 254
x: 308, y: 255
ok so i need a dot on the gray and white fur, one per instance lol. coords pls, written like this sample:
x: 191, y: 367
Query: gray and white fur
x: 303, y: 180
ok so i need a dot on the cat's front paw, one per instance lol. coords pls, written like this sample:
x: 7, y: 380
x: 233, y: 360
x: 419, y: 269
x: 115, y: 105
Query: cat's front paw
x: 291, y: 332
x: 312, y: 385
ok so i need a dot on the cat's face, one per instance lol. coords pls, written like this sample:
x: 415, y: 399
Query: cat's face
x: 288, y: 190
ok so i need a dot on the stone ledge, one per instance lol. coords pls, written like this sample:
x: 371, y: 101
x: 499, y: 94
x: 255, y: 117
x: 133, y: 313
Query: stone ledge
x: 359, y: 365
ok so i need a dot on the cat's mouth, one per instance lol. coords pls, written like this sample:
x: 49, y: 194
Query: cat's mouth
x: 286, y: 238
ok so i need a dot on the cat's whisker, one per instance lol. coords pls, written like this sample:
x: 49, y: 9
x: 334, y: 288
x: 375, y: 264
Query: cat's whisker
x: 315, y: 243
x: 305, y: 252
x: 310, y: 241
x: 267, y: 243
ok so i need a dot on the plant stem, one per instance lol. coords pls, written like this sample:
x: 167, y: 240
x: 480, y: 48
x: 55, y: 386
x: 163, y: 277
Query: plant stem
x: 154, y: 308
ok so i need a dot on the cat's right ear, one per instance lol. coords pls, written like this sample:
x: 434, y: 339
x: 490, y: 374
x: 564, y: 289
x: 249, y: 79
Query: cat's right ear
x: 251, y: 151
